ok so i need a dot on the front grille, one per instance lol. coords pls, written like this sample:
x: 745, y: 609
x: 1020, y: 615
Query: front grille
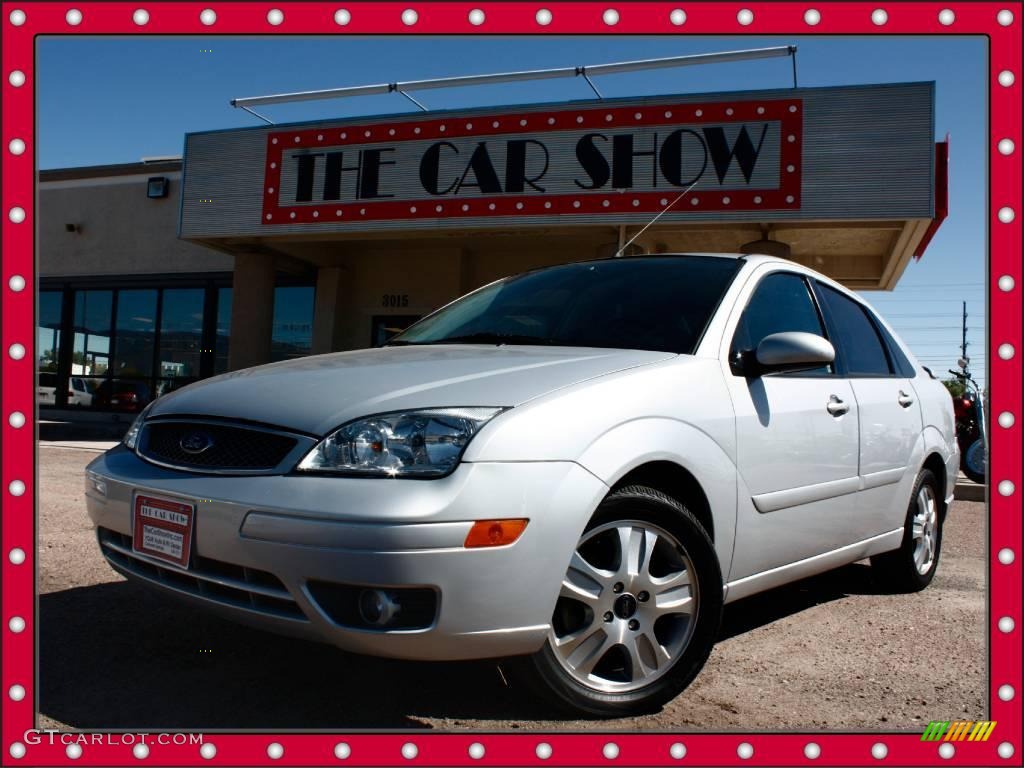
x: 229, y: 447
x: 213, y: 580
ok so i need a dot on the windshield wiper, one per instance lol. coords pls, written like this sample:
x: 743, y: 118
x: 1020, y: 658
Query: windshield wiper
x: 486, y: 338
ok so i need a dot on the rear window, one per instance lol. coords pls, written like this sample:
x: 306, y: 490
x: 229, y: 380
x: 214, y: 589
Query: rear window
x: 47, y: 380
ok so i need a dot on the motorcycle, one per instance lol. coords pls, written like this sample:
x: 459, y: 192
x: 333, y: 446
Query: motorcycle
x: 969, y: 410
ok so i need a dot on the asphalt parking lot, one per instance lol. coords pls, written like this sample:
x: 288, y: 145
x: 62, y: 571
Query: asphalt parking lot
x: 832, y: 652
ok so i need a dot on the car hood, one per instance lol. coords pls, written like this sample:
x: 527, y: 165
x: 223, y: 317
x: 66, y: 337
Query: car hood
x: 316, y: 394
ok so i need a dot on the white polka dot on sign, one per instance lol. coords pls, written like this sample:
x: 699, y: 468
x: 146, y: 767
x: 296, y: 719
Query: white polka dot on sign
x: 745, y: 750
x: 1006, y: 78
x: 1006, y: 488
x: 342, y: 17
x: 477, y: 17
x: 73, y: 17
x: 1006, y: 146
x: 275, y: 751
x: 1007, y: 215
x: 16, y: 419
x: 677, y: 751
x: 410, y: 17
x: 16, y: 351
x: 16, y: 78
x: 208, y: 751
x: 1006, y: 351
x: 678, y: 17
x: 141, y: 17
x: 879, y: 17
x: 476, y: 750
x: 1006, y: 556
x: 141, y: 751
x: 17, y: 750
x: 946, y: 17
x: 16, y: 147
x: 610, y: 17
x: 1005, y: 17
x: 342, y: 751
x: 16, y: 556
x: 1005, y: 750
x: 275, y: 16
x: 812, y: 751
x: 16, y: 692
x: 16, y: 283
x: 544, y: 17
x: 1006, y: 692
x: 409, y: 750
x: 1006, y: 625
x: 1006, y: 419
x: 812, y: 17
x: 73, y: 751
x: 208, y: 17
x: 543, y: 750
x: 745, y: 17
x: 17, y: 17
x: 879, y: 751
x: 16, y: 215
x: 610, y: 751
x: 16, y: 488
x: 946, y: 751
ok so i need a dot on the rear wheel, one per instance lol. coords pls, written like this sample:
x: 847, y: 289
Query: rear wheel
x: 974, y: 463
x: 912, y: 567
x: 638, y: 610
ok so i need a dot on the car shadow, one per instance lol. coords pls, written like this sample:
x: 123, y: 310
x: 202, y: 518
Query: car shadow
x: 119, y: 656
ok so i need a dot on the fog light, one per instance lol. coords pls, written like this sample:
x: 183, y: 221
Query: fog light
x: 378, y: 607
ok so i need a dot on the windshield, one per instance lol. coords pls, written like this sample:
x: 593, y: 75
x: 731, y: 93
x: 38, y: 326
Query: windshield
x: 655, y: 303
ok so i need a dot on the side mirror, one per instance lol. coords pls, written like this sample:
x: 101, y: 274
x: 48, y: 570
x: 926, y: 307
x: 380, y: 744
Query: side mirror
x: 791, y: 351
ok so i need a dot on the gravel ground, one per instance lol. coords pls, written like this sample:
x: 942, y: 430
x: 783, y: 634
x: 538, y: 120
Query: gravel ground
x: 832, y: 652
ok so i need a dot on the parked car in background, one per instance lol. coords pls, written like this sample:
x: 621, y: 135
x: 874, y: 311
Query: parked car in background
x: 79, y: 392
x: 46, y: 388
x: 574, y: 467
x: 121, y: 395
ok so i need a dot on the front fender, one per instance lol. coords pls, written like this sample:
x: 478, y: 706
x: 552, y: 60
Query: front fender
x: 620, y: 450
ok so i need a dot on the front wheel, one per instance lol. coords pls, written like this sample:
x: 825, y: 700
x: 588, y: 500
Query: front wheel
x: 975, y: 461
x: 638, y: 610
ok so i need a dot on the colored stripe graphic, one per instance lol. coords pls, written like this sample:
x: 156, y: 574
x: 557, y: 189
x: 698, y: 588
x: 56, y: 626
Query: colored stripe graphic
x: 958, y: 730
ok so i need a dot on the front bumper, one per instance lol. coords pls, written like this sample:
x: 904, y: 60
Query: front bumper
x: 389, y: 533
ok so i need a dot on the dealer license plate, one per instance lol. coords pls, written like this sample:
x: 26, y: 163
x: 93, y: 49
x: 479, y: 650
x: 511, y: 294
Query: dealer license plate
x: 163, y: 529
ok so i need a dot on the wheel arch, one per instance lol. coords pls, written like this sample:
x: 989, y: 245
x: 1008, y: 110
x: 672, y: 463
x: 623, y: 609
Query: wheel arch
x: 675, y: 481
x: 935, y: 463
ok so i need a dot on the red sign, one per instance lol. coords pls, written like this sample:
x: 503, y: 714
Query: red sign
x: 743, y: 155
x: 163, y: 529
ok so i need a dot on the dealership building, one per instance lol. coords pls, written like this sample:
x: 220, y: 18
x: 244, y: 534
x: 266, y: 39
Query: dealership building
x: 267, y: 243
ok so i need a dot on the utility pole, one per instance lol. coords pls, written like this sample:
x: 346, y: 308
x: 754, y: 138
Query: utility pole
x: 963, y: 340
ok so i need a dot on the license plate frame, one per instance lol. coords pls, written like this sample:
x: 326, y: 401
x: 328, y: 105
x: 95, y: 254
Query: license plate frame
x: 163, y: 528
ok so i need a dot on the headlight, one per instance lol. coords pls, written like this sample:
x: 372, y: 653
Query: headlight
x: 427, y: 443
x: 131, y: 437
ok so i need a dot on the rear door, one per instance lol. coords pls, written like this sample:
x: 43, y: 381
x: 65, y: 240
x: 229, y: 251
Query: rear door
x: 796, y: 436
x: 890, y: 416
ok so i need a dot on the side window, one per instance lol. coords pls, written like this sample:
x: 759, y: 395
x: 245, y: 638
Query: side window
x: 863, y: 351
x: 903, y: 366
x: 781, y: 302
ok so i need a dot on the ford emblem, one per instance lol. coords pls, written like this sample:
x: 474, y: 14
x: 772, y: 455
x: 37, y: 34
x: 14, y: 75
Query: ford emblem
x: 195, y: 442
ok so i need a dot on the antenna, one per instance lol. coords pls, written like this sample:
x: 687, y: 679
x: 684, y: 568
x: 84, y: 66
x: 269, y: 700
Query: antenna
x: 682, y: 194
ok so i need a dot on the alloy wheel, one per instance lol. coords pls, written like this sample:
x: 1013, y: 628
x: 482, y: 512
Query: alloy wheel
x: 925, y: 531
x: 627, y: 607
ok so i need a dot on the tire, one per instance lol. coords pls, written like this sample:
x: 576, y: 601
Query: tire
x: 912, y: 567
x: 629, y: 634
x: 974, y: 463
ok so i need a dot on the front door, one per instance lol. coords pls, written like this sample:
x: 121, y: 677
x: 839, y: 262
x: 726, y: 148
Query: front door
x: 797, y: 440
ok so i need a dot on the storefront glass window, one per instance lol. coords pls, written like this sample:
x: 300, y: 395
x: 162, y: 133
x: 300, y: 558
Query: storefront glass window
x: 136, y: 333
x: 293, y: 322
x: 220, y: 348
x: 48, y: 346
x: 181, y: 337
x: 93, y: 314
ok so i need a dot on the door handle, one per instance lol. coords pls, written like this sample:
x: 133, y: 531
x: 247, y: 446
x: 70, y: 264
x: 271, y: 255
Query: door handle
x: 905, y: 400
x: 836, y: 406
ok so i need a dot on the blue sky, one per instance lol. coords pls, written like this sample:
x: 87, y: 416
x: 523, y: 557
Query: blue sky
x: 114, y: 100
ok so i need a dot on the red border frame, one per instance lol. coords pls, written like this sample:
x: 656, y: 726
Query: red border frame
x: 788, y: 112
x: 1005, y: 285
